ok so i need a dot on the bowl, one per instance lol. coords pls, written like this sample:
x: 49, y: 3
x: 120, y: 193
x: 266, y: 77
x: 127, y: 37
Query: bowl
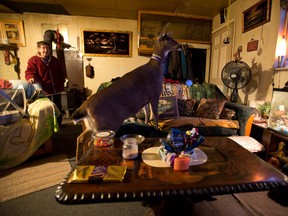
x: 138, y: 137
x: 103, y: 137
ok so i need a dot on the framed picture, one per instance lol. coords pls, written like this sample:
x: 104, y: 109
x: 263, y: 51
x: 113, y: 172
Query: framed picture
x: 1, y: 33
x: 256, y: 15
x: 107, y: 43
x: 13, y: 31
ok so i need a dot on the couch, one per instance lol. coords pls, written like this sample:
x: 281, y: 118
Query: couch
x: 26, y: 127
x: 205, y: 107
x: 179, y: 108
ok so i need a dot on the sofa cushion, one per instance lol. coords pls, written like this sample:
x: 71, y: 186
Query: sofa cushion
x: 186, y: 107
x: 136, y: 126
x: 228, y: 114
x: 166, y: 124
x: 168, y: 107
x: 210, y: 108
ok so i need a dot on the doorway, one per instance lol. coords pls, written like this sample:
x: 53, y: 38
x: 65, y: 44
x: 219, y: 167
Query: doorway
x: 192, y: 62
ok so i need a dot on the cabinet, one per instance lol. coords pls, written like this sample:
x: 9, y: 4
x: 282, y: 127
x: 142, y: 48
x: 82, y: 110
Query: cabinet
x: 184, y: 28
x: 269, y: 138
x: 278, y: 118
x: 14, y: 48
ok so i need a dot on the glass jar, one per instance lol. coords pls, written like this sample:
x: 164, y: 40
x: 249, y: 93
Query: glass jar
x: 130, y: 149
x: 103, y: 138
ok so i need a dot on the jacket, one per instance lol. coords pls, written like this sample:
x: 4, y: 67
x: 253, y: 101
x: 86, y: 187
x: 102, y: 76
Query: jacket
x: 51, y: 75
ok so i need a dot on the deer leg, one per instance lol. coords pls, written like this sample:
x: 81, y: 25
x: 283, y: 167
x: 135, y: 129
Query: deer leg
x: 83, y: 141
x: 154, y: 105
x: 146, y: 112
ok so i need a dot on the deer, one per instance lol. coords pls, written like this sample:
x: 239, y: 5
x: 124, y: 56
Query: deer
x: 108, y: 108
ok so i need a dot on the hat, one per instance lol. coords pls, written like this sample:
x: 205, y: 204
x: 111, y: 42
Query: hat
x: 43, y: 43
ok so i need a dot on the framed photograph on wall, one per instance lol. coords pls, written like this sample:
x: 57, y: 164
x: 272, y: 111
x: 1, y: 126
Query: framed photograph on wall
x: 256, y: 15
x: 107, y: 43
x: 13, y: 31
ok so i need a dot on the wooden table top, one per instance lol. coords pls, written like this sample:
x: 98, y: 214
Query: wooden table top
x: 229, y: 169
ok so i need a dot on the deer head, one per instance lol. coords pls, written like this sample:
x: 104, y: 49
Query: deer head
x: 165, y: 43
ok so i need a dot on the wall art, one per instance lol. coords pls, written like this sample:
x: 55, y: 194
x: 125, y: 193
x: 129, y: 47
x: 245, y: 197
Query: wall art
x: 107, y: 43
x: 13, y: 31
x: 256, y: 15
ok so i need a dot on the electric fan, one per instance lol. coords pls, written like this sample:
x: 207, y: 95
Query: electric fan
x: 236, y: 75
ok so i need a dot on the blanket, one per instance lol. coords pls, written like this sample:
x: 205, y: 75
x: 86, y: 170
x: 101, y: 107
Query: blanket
x: 21, y: 139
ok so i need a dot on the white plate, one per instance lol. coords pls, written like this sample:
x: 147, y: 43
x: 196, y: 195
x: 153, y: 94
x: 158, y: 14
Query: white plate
x: 151, y: 157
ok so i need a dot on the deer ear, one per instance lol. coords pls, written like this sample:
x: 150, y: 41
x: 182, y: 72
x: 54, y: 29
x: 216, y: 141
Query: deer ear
x: 163, y: 30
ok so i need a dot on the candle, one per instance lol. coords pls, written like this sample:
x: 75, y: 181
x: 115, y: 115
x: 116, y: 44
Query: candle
x: 181, y: 163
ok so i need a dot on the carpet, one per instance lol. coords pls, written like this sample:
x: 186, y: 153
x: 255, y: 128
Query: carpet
x: 33, y: 176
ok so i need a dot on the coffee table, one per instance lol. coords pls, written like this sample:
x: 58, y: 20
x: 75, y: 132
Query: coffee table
x: 229, y: 169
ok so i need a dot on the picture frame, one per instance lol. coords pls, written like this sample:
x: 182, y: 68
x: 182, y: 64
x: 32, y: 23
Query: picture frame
x: 13, y: 30
x: 252, y: 45
x: 256, y: 15
x: 1, y: 32
x: 168, y: 107
x: 107, y: 43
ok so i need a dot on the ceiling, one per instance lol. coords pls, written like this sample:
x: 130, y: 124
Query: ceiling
x: 123, y: 9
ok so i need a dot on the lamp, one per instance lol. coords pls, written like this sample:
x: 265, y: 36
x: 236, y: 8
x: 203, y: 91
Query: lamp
x: 281, y: 51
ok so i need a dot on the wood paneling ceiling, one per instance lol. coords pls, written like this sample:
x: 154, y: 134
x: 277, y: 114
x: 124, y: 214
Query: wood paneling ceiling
x: 124, y: 9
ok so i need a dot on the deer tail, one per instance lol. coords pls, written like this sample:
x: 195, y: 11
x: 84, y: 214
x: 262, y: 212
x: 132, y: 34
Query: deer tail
x: 79, y: 114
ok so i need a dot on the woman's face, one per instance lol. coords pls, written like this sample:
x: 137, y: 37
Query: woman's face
x: 44, y: 51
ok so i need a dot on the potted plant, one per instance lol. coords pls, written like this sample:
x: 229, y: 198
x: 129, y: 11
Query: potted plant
x: 264, y: 109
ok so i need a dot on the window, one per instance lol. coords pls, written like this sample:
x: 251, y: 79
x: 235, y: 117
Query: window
x: 281, y: 50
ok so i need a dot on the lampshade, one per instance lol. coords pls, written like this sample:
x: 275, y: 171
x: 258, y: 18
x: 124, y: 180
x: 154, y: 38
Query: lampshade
x: 282, y: 47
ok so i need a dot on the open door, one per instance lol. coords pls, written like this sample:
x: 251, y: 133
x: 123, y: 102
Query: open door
x: 221, y: 53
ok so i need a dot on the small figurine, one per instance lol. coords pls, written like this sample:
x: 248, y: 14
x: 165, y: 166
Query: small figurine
x: 179, y: 143
x: 280, y: 151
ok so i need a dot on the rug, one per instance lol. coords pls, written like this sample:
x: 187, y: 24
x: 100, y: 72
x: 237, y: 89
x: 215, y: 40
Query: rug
x: 33, y: 176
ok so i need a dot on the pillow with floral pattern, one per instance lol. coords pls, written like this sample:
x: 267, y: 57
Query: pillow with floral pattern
x: 228, y: 114
x: 210, y: 108
x: 186, y: 107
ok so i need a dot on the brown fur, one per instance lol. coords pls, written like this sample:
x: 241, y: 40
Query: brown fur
x: 107, y: 109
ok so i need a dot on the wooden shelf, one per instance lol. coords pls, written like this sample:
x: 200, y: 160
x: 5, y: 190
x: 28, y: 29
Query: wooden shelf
x: 271, y: 140
x: 14, y: 48
x: 281, y: 69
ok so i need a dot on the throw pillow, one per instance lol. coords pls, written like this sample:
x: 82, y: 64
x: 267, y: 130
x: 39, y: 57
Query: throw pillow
x: 210, y: 108
x: 168, y: 107
x: 248, y: 143
x: 228, y: 114
x: 186, y: 107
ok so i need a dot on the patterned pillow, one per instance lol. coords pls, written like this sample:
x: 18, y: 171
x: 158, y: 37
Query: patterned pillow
x: 248, y: 143
x: 210, y: 108
x: 186, y: 107
x: 228, y: 114
x: 168, y: 107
